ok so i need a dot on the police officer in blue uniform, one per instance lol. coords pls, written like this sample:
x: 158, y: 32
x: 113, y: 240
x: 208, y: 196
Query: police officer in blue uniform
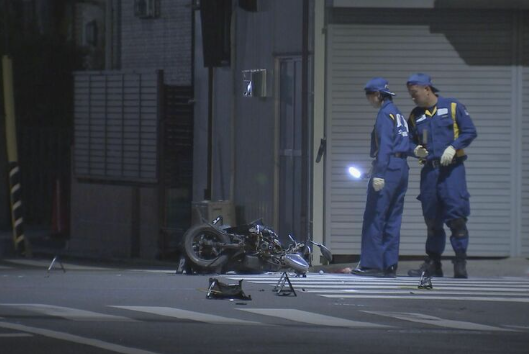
x: 387, y: 186
x: 440, y: 128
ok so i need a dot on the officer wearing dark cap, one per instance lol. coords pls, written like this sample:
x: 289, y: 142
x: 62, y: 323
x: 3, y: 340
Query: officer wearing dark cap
x: 387, y: 186
x: 440, y: 128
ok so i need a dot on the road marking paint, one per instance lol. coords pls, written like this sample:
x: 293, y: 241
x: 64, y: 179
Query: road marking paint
x: 163, y: 271
x: 188, y: 315
x: 76, y: 339
x: 404, y: 287
x: 517, y: 327
x: 312, y: 318
x: 357, y: 279
x: 415, y: 291
x: 427, y: 297
x: 394, y: 283
x: 355, y: 287
x: 69, y: 313
x: 437, y: 321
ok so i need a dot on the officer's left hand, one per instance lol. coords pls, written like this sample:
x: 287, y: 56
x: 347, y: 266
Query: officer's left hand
x: 378, y: 183
x: 448, y: 155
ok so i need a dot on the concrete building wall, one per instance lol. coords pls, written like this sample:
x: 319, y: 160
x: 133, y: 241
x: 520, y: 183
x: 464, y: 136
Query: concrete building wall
x: 244, y: 129
x: 159, y: 43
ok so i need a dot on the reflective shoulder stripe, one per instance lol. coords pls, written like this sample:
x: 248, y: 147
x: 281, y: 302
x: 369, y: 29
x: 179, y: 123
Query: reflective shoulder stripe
x: 392, y: 116
x: 453, y: 107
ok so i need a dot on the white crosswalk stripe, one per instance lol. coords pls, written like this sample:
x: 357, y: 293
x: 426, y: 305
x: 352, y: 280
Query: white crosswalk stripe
x: 313, y: 318
x: 436, y: 321
x: 286, y: 316
x: 187, y: 315
x: 69, y: 313
x: 352, y: 287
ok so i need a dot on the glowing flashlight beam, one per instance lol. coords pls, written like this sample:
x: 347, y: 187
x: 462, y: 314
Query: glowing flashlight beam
x: 355, y: 172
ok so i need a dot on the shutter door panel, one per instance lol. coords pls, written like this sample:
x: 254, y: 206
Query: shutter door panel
x: 525, y: 140
x: 468, y: 55
x: 116, y: 126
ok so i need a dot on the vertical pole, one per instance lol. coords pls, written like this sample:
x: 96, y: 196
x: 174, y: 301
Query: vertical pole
x: 208, y: 191
x: 306, y: 189
x: 21, y: 243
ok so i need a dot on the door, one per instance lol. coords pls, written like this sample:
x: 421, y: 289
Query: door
x: 290, y: 149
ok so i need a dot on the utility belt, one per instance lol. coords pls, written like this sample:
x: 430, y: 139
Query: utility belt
x: 435, y: 163
x: 400, y: 155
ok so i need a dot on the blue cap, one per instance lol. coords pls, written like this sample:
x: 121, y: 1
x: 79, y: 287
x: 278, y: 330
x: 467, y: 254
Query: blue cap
x: 378, y: 84
x: 421, y: 80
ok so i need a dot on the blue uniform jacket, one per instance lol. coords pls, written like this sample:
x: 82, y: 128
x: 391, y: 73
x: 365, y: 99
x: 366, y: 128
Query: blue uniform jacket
x: 447, y: 123
x: 389, y: 137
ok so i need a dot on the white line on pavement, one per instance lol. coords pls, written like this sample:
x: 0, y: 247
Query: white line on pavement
x: 438, y: 287
x: 312, y: 318
x: 436, y: 321
x: 423, y: 297
x: 188, y: 315
x: 397, y: 283
x: 69, y: 313
x: 357, y: 279
x: 415, y: 291
x: 75, y: 339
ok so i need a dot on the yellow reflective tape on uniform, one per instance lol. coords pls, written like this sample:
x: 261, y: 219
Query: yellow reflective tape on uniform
x: 392, y: 117
x: 453, y: 106
x: 427, y: 112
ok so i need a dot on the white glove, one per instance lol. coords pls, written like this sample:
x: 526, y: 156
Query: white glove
x: 448, y: 155
x: 420, y: 151
x: 378, y: 183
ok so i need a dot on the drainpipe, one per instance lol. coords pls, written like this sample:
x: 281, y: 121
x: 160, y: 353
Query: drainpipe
x: 305, y: 187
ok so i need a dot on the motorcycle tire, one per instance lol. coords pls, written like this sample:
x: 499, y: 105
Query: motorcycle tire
x: 199, y: 252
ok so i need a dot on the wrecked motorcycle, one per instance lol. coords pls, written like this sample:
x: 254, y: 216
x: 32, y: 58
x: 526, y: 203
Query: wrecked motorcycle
x: 253, y: 247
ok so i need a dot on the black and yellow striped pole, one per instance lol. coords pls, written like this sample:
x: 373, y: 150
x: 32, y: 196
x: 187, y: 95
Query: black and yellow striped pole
x: 21, y: 243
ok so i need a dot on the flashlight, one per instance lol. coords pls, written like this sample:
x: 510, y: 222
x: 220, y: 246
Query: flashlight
x: 355, y: 172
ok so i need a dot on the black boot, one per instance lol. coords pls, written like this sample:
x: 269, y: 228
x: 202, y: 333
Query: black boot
x: 460, y: 266
x: 368, y: 272
x: 390, y: 272
x: 431, y: 268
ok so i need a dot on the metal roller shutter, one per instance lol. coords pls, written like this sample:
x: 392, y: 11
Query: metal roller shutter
x: 116, y: 125
x: 469, y: 55
x: 525, y: 141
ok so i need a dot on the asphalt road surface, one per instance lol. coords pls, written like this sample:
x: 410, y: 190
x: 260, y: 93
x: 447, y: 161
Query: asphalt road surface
x: 150, y: 310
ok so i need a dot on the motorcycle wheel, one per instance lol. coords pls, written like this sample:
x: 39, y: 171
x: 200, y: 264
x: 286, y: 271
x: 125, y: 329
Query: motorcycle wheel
x: 200, y: 250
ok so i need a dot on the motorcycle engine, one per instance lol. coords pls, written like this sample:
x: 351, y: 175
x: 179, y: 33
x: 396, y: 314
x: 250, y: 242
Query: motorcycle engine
x: 268, y: 245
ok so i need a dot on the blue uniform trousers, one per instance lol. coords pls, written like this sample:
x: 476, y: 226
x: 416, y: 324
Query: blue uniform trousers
x: 444, y: 197
x: 383, y: 217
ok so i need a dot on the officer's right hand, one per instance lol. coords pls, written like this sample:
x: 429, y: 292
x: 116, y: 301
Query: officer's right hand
x: 420, y: 151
